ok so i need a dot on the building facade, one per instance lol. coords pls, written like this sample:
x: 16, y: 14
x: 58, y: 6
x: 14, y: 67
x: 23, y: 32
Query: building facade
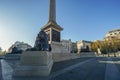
x: 20, y: 46
x: 83, y: 46
x: 112, y: 34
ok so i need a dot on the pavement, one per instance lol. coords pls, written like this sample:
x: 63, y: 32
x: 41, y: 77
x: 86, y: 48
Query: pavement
x: 86, y: 68
x: 0, y: 71
x: 88, y: 71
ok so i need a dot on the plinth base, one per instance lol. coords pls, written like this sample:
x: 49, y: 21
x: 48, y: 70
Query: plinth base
x: 13, y: 56
x: 34, y: 63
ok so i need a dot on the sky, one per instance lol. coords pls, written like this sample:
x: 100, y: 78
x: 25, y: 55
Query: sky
x: 21, y: 20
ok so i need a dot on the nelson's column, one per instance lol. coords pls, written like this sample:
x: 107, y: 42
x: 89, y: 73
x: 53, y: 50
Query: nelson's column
x: 52, y: 29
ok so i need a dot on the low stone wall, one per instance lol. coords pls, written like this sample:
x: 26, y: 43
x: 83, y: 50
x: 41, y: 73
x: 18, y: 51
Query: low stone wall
x: 117, y: 54
x: 58, y: 48
x: 64, y: 56
x: 88, y: 54
x: 59, y: 53
x: 2, y: 56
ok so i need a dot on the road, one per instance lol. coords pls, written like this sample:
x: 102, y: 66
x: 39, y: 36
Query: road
x: 99, y: 68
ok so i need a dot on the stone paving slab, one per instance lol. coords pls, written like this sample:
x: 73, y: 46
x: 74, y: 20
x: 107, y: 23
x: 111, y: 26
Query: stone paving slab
x: 64, y: 64
x: 0, y: 71
x: 11, y: 64
x: 90, y: 71
x: 117, y: 62
x: 6, y: 70
x: 55, y: 74
x: 99, y: 68
x: 112, y: 72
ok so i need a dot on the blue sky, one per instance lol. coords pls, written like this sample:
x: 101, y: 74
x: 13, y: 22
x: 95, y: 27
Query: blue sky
x: 21, y: 20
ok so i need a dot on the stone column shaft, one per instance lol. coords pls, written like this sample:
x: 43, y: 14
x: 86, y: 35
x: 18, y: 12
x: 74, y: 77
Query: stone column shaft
x: 52, y: 11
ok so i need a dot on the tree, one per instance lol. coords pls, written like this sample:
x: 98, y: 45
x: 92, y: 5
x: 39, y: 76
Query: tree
x: 107, y: 46
x: 96, y: 45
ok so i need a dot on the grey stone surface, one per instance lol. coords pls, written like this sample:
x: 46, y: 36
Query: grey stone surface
x: 67, y: 63
x: 6, y: 70
x: 57, y: 57
x: 52, y: 11
x: 89, y: 71
x: 117, y: 62
x: 55, y: 74
x: 0, y: 71
x: 34, y: 63
x: 13, y: 56
x: 36, y: 58
x: 92, y: 70
x: 52, y: 29
x: 113, y: 70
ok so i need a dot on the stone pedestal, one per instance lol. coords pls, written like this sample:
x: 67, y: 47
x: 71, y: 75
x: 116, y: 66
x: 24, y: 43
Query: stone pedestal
x: 15, y: 56
x: 34, y: 63
x: 57, y: 47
